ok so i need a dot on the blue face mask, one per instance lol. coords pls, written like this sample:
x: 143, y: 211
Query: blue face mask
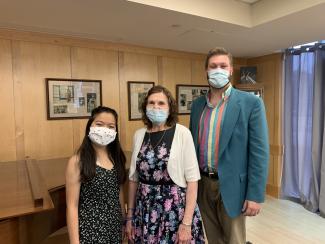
x: 218, y: 78
x: 157, y: 116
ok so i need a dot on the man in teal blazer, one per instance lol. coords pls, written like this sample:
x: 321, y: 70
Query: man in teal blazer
x: 230, y: 133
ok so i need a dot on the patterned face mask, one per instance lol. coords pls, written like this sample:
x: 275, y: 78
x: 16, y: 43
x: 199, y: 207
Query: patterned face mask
x: 218, y: 78
x: 101, y: 135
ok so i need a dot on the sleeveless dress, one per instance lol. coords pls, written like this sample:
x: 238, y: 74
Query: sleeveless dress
x: 100, y: 215
x: 160, y: 203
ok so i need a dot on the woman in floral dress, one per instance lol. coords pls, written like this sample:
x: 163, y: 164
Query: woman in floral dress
x: 163, y: 177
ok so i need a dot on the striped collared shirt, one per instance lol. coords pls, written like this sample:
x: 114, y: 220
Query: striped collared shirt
x: 209, y: 131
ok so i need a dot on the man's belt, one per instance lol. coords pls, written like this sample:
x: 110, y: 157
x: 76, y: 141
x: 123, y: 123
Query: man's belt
x: 210, y: 174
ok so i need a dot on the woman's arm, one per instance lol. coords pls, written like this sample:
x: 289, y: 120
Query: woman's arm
x: 191, y: 195
x: 133, y: 186
x: 192, y: 175
x: 185, y: 228
x: 122, y: 201
x: 72, y: 198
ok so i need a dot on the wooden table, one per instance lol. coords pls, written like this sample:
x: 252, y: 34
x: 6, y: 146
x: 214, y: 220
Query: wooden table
x: 21, y: 221
x: 15, y: 191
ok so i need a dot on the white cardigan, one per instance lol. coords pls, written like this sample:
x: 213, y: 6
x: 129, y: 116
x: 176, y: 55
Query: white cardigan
x: 182, y: 165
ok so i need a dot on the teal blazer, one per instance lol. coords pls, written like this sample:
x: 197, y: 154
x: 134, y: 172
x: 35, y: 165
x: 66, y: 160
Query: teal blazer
x: 243, y: 149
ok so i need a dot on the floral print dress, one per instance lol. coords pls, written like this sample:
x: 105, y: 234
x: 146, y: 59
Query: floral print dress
x: 160, y: 203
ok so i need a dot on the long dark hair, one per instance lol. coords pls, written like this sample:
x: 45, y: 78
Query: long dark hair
x: 87, y: 154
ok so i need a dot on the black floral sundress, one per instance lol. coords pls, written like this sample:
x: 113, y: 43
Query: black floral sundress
x: 160, y: 203
x: 100, y: 215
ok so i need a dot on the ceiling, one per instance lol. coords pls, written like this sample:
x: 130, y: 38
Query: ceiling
x: 245, y: 29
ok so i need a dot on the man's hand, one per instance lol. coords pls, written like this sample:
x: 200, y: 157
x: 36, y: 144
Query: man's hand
x: 251, y: 208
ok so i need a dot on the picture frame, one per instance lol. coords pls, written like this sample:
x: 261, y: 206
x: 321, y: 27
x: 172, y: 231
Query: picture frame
x: 72, y: 98
x: 186, y: 94
x: 248, y: 75
x: 137, y: 91
x: 256, y: 89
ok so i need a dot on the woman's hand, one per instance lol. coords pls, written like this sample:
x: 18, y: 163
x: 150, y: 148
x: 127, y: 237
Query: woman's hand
x: 123, y: 232
x: 130, y: 230
x: 184, y: 234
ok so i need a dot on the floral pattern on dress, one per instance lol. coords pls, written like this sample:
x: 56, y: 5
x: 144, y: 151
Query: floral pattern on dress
x: 160, y: 204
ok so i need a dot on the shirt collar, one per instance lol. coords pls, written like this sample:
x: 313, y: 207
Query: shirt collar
x: 224, y: 96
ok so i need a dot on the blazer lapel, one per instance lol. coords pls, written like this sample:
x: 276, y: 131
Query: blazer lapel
x: 230, y: 119
x: 198, y: 112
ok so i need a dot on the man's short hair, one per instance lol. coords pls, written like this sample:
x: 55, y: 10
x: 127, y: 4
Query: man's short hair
x: 216, y: 52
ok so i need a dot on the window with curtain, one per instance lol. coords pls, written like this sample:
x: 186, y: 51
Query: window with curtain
x: 303, y: 177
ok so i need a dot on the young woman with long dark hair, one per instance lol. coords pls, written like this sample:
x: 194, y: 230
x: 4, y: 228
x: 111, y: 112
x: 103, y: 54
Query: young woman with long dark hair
x: 94, y: 180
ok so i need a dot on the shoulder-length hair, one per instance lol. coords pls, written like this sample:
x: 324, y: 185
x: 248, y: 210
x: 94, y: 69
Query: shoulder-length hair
x: 87, y: 154
x: 172, y: 118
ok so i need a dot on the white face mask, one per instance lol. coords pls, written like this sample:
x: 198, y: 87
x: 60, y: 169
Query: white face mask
x: 218, y: 78
x: 101, y: 135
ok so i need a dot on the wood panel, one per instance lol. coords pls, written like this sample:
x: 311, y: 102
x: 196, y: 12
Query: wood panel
x: 98, y: 65
x: 7, y: 128
x: 133, y: 67
x: 198, y: 73
x: 237, y: 63
x: 269, y: 74
x: 16, y: 195
x: 34, y: 62
x: 175, y: 71
x: 93, y: 44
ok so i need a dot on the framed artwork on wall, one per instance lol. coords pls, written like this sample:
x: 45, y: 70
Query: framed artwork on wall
x: 248, y: 75
x: 257, y: 90
x: 186, y: 94
x: 137, y: 91
x: 72, y: 98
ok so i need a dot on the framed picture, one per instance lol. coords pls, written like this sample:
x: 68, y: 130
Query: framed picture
x: 186, y: 94
x: 248, y: 75
x: 257, y: 89
x: 137, y: 91
x: 72, y: 98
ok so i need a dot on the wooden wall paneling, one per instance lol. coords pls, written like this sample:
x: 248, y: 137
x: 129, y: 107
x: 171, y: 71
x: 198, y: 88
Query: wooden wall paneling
x: 278, y: 117
x: 18, y: 100
x: 95, y: 64
x: 269, y: 73
x: 34, y: 62
x: 237, y: 63
x: 55, y: 135
x: 176, y: 71
x: 270, y: 178
x: 7, y: 105
x: 124, y: 107
x: 36, y: 56
x: 198, y: 73
x: 99, y: 65
x: 28, y: 79
x: 133, y: 67
x: 78, y: 128
x: 93, y: 44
